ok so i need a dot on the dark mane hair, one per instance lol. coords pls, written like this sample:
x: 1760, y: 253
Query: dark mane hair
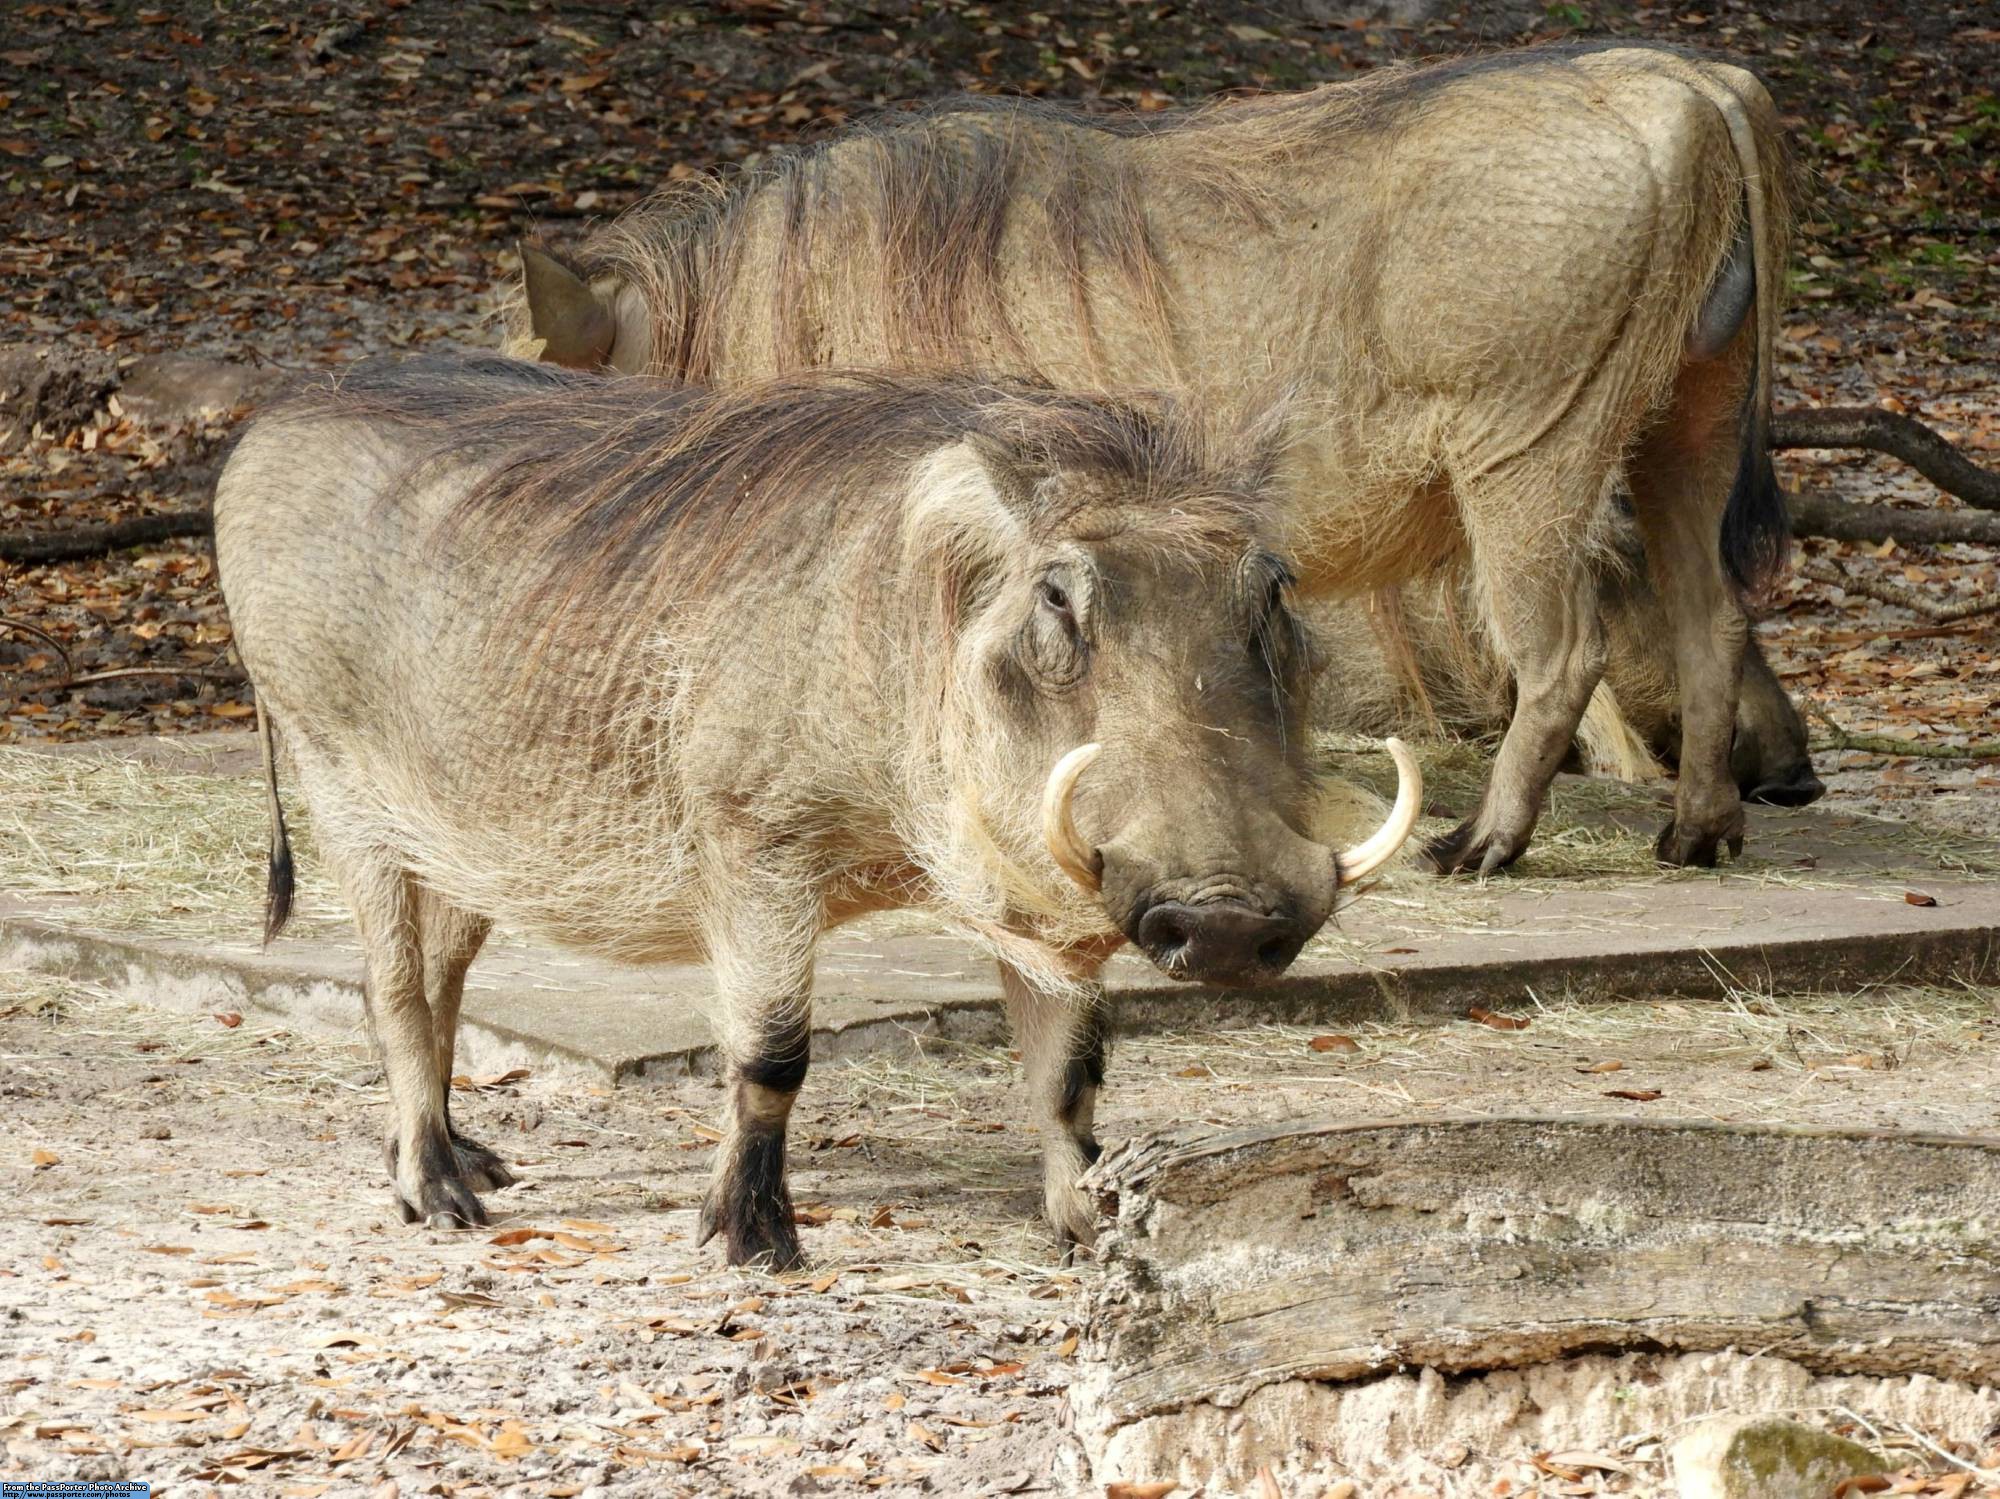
x: 930, y: 191
x: 593, y: 480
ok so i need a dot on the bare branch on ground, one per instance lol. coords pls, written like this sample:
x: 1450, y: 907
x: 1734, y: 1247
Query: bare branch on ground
x: 1904, y: 437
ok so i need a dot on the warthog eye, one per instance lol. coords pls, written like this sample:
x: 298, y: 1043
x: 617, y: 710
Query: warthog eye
x: 1052, y: 642
x: 1274, y: 638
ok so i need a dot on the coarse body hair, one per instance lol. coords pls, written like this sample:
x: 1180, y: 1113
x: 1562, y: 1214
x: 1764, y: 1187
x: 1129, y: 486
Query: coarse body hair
x: 1502, y: 289
x: 518, y: 586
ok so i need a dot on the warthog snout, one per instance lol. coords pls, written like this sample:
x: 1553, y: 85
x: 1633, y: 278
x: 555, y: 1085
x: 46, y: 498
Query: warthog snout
x: 1797, y: 786
x: 1219, y: 941
x: 1218, y: 928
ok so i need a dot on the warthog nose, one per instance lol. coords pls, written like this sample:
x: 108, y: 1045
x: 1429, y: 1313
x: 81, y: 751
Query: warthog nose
x: 1219, y: 942
x: 1797, y: 788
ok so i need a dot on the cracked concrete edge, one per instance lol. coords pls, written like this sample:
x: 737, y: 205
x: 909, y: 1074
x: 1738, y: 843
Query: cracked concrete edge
x: 161, y: 971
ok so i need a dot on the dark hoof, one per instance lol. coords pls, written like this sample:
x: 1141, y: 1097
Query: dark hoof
x: 1678, y: 850
x: 443, y: 1202
x: 446, y: 1197
x: 479, y: 1167
x: 756, y: 1227
x: 1070, y: 1249
x: 1464, y: 849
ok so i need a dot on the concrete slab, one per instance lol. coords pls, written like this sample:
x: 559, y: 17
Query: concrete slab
x: 1821, y: 904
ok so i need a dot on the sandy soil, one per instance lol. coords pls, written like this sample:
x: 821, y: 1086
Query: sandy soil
x: 202, y: 1282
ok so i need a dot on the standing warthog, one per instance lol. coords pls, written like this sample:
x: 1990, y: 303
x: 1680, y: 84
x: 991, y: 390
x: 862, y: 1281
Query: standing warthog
x: 1415, y: 659
x: 656, y: 673
x: 1504, y: 287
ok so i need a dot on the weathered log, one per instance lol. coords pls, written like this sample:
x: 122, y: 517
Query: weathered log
x: 1300, y: 1257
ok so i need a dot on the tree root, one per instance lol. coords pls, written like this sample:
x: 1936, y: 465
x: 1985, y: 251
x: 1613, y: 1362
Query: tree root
x: 233, y: 675
x: 69, y: 667
x: 1818, y: 514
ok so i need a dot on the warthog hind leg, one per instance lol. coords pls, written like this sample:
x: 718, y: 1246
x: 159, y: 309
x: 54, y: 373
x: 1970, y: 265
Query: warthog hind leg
x: 423, y: 1168
x: 1681, y: 482
x: 1062, y: 1056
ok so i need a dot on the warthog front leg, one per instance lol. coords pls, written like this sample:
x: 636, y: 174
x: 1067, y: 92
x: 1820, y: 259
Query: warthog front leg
x: 424, y: 1169
x: 762, y: 954
x: 1062, y: 1046
x: 1545, y: 621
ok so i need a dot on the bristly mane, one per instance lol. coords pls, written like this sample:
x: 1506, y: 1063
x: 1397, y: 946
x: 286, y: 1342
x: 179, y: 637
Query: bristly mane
x: 929, y: 193
x: 596, y: 481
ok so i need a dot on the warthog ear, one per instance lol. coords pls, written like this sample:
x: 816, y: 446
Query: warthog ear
x: 574, y: 323
x: 967, y: 520
x: 1012, y: 479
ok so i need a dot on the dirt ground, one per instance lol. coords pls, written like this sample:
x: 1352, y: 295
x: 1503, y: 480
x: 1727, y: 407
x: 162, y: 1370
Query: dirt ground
x: 202, y: 1282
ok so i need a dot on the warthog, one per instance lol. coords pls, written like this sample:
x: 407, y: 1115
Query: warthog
x: 1504, y: 287
x: 1415, y: 659
x: 656, y: 673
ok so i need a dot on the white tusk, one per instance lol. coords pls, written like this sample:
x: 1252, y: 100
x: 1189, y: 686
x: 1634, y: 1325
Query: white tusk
x: 1365, y: 858
x: 1073, y: 856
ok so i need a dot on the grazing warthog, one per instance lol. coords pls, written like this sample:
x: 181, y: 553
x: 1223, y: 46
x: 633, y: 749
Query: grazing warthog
x: 657, y: 673
x: 1415, y: 659
x: 1504, y: 287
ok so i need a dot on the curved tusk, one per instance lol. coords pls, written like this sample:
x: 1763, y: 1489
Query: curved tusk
x: 1073, y: 856
x: 1362, y: 860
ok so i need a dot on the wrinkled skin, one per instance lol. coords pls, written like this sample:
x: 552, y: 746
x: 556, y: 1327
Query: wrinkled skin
x: 773, y: 717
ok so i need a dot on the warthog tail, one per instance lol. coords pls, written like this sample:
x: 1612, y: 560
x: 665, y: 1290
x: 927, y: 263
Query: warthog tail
x: 281, y: 875
x: 1756, y: 529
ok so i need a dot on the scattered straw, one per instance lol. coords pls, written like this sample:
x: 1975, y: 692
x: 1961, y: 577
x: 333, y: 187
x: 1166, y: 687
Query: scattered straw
x: 130, y: 846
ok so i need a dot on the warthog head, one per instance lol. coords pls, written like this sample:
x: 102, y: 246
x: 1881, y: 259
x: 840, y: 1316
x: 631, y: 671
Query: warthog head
x: 1145, y: 681
x: 1769, y: 757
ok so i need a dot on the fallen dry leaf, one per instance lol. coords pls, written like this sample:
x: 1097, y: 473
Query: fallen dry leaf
x: 507, y: 1238
x: 44, y: 1159
x: 1918, y: 898
x: 1498, y: 1022
x: 1334, y: 1043
x: 1637, y: 1095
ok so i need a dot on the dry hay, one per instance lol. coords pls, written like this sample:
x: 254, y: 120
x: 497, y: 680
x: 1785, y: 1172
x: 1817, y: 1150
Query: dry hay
x: 129, y: 846
x: 1915, y: 1057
